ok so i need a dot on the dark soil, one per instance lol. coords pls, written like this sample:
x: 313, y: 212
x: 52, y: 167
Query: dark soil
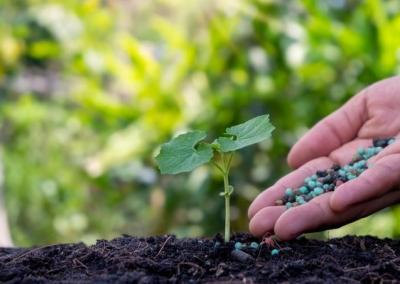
x: 167, y: 259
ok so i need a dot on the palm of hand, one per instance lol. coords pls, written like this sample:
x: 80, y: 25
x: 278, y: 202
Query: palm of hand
x: 373, y: 113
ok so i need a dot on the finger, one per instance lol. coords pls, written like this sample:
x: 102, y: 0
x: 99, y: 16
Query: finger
x: 345, y: 154
x: 265, y: 219
x: 385, y: 108
x: 389, y: 150
x: 342, y: 156
x: 330, y: 133
x: 294, y: 179
x: 372, y: 183
x: 317, y: 215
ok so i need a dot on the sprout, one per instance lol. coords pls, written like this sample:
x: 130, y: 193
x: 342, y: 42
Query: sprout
x: 188, y: 151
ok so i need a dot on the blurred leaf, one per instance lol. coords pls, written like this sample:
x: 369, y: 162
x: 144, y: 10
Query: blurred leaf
x: 87, y: 88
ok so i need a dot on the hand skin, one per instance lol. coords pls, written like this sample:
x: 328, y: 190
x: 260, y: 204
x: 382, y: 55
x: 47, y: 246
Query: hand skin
x: 372, y: 113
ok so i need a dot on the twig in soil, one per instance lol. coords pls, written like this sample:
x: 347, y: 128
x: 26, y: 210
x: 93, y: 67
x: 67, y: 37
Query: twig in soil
x: 374, y: 267
x: 389, y: 249
x: 85, y: 256
x: 29, y: 252
x: 54, y: 271
x: 198, y: 258
x: 279, y: 272
x: 357, y: 268
x: 146, y: 245
x: 76, y: 261
x: 259, y: 252
x: 326, y: 257
x: 163, y: 245
x: 347, y: 245
x: 220, y: 269
x: 191, y: 264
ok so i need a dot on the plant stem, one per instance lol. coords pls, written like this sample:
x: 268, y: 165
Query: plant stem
x: 224, y: 167
x: 227, y: 208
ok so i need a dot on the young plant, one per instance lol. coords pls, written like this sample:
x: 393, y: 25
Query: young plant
x: 188, y: 151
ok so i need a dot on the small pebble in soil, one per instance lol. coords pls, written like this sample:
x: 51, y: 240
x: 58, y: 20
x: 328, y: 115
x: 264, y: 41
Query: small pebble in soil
x: 241, y: 256
x: 324, y: 181
x: 275, y: 252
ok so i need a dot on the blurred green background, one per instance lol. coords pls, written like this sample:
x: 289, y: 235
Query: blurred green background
x: 90, y: 89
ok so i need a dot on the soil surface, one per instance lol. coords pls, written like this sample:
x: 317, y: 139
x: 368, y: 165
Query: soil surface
x: 166, y: 259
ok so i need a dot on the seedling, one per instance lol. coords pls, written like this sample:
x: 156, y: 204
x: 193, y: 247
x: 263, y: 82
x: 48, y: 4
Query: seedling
x: 188, y: 151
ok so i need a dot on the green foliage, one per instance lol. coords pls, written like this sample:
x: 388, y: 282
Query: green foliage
x: 88, y: 89
x: 184, y: 154
x: 250, y: 132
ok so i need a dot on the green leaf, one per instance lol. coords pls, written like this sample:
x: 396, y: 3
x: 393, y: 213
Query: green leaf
x: 184, y: 153
x: 242, y: 135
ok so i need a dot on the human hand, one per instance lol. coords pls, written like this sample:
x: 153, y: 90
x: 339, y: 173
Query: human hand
x: 373, y: 113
